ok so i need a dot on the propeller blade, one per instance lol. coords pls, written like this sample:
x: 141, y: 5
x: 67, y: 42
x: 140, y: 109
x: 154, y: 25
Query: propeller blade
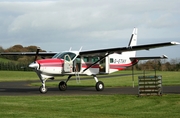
x: 37, y: 52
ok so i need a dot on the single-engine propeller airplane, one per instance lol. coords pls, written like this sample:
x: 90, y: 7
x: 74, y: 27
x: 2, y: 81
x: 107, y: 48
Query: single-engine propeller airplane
x: 91, y: 63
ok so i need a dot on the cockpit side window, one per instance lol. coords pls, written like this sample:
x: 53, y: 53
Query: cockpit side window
x: 63, y: 55
x: 56, y: 55
x: 72, y: 55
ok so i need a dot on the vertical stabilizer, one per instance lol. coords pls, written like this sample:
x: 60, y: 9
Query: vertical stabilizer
x: 132, y: 42
x: 133, y: 39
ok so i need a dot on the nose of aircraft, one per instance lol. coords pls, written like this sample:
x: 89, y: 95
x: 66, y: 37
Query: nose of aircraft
x: 34, y: 65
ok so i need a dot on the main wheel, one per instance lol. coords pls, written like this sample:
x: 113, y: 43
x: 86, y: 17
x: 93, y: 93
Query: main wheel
x: 62, y: 86
x: 99, y: 86
x: 43, y: 89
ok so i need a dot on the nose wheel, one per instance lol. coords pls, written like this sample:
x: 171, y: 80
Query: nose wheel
x: 43, y: 89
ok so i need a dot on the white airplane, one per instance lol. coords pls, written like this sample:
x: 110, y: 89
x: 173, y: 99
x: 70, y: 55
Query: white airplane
x: 91, y: 63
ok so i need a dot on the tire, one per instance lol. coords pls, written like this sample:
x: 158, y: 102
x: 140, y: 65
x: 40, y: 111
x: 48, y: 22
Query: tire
x: 99, y: 86
x: 62, y: 86
x: 42, y: 89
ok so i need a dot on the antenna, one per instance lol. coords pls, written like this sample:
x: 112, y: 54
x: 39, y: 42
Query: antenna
x: 70, y: 48
x: 80, y: 49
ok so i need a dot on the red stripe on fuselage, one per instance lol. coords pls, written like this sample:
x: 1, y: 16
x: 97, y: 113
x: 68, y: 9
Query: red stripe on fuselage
x: 51, y: 62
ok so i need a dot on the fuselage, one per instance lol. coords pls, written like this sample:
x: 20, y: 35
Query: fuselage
x: 69, y: 63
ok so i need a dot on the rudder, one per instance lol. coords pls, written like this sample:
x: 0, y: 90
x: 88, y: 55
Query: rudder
x: 132, y: 42
x: 133, y: 39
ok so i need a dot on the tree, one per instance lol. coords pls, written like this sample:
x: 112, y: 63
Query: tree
x: 1, y: 49
x: 20, y: 48
x: 31, y: 48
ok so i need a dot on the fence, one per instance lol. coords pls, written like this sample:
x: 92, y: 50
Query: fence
x: 12, y: 66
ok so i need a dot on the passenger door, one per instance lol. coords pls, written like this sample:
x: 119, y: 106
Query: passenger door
x: 68, y: 64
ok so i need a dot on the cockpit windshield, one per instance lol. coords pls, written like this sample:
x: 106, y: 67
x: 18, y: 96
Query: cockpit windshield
x: 64, y: 55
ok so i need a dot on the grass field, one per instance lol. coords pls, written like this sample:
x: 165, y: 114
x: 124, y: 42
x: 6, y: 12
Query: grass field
x: 99, y: 106
x: 168, y: 78
x: 88, y: 106
x: 17, y: 76
x: 5, y: 60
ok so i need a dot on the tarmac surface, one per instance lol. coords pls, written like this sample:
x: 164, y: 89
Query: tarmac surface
x: 23, y: 89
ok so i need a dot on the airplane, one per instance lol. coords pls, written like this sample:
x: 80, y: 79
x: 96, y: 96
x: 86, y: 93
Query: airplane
x: 91, y: 62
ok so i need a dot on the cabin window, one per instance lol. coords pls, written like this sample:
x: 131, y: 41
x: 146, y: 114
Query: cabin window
x: 86, y: 59
x: 111, y: 60
x: 90, y: 59
x: 94, y: 59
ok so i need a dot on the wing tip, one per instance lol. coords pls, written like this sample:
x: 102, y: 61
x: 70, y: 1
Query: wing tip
x: 175, y: 43
x: 164, y: 57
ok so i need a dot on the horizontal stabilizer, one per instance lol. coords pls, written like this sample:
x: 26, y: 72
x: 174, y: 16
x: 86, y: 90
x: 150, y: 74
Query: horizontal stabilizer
x: 147, y: 58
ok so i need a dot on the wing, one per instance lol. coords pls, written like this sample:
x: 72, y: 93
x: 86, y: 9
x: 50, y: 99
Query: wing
x: 146, y: 58
x: 29, y: 53
x: 119, y: 50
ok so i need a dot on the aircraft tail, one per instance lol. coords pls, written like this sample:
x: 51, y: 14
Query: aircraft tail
x: 133, y: 39
x: 132, y: 42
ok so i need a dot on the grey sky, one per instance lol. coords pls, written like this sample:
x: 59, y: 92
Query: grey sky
x: 93, y: 24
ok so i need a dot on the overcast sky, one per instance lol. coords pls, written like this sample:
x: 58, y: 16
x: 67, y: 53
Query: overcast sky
x: 57, y: 25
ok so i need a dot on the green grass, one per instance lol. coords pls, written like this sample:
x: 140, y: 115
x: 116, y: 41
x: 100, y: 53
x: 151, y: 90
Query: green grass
x: 6, y: 60
x: 168, y: 78
x: 17, y: 76
x: 99, y: 106
x: 88, y: 106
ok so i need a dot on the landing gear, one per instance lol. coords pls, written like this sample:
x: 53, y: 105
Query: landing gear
x: 99, y: 84
x: 43, y: 89
x: 62, y: 86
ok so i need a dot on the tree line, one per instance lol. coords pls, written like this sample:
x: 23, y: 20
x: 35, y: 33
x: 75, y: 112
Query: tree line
x: 159, y: 64
x: 19, y: 63
x: 19, y: 48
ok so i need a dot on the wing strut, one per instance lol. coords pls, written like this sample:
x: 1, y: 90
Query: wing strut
x: 133, y: 75
x: 96, y: 62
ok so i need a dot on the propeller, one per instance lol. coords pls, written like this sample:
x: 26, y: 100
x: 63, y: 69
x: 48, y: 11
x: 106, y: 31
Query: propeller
x: 35, y: 65
x: 37, y: 52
